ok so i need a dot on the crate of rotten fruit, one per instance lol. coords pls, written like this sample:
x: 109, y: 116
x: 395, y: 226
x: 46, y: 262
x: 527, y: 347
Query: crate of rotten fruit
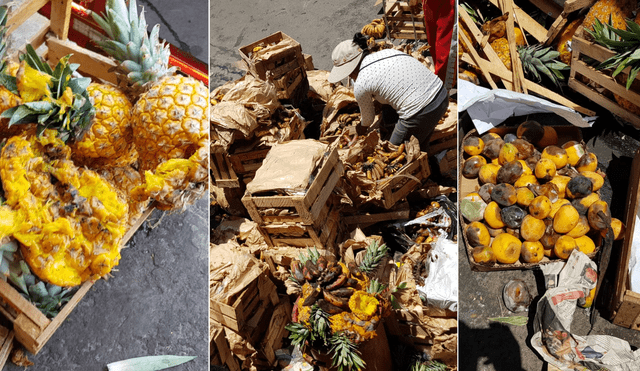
x: 377, y: 172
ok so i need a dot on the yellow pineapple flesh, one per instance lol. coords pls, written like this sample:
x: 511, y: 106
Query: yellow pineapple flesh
x: 109, y: 142
x: 125, y: 179
x: 69, y: 221
x: 564, y: 42
x: 501, y: 47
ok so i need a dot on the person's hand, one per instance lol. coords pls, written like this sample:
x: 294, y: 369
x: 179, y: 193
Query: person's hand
x: 361, y: 129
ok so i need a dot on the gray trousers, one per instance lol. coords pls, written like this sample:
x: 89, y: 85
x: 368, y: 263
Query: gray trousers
x: 422, y: 124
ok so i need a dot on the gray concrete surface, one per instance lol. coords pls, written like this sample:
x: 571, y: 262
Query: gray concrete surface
x: 157, y: 301
x: 491, y: 346
x: 182, y: 23
x: 316, y: 24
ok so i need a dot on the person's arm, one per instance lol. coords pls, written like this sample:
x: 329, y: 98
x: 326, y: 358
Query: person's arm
x: 365, y: 102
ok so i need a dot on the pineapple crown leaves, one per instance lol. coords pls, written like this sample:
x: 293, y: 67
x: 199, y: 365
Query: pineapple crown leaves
x: 345, y: 354
x: 52, y: 97
x: 299, y: 333
x: 320, y: 323
x: 372, y: 257
x: 48, y: 298
x: 537, y: 59
x: 7, y: 250
x: 144, y: 58
x: 312, y: 254
x: 429, y: 366
x: 626, y: 44
x: 375, y: 287
x: 4, y: 15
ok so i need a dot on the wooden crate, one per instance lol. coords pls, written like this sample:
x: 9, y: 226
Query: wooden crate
x: 278, y: 63
x: 222, y: 171
x: 32, y: 328
x: 221, y: 354
x: 305, y: 209
x: 248, y: 304
x: 247, y: 163
x: 625, y: 304
x: 405, y: 181
x: 407, y: 327
x: 366, y: 219
x: 401, y: 23
x: 581, y: 48
x: 6, y: 344
x: 322, y: 235
x: 276, y: 331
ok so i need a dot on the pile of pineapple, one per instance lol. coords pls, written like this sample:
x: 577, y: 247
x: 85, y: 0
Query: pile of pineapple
x: 538, y: 60
x: 80, y: 160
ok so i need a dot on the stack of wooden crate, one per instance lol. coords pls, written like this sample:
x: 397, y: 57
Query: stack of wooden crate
x: 284, y: 66
x: 302, y: 220
x: 256, y: 314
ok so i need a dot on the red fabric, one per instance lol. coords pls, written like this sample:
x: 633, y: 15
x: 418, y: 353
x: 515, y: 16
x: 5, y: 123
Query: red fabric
x: 439, y: 17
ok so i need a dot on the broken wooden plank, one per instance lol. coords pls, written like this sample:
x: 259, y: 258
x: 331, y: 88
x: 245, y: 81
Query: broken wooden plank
x: 529, y: 24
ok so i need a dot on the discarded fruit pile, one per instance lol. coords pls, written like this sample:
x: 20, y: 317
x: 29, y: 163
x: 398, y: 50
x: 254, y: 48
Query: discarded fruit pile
x: 531, y: 206
x: 82, y: 160
x: 343, y: 297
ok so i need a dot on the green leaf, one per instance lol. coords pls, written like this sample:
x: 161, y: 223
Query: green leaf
x: 10, y: 83
x: 515, y: 320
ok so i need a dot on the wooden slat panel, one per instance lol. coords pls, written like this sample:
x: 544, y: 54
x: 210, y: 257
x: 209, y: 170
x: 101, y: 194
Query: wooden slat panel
x: 10, y: 295
x: 26, y: 10
x: 91, y: 63
x: 61, y: 18
x: 529, y: 24
x: 604, y: 102
x: 6, y: 344
x: 629, y: 310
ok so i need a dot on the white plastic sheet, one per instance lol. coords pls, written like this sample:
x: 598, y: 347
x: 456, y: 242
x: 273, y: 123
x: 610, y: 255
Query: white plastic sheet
x: 441, y: 285
x: 489, y: 108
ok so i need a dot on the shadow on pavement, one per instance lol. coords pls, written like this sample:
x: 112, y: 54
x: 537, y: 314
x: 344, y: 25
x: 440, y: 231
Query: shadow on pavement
x: 495, y: 346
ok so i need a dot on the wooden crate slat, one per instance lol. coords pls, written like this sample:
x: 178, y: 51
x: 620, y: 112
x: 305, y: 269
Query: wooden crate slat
x: 27, y: 333
x: 573, y: 5
x: 91, y: 63
x: 60, y: 18
x: 529, y: 24
x: 22, y: 305
x: 629, y: 310
x: 418, y: 169
x: 540, y: 90
x: 24, y: 12
x: 605, y: 81
x: 275, y: 332
x: 604, y: 102
x: 6, y: 345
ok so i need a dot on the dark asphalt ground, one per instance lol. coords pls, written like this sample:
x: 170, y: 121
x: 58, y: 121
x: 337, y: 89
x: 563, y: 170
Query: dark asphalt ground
x: 157, y: 301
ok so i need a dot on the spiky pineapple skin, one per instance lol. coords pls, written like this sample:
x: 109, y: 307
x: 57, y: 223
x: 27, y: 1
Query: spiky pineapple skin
x: 109, y: 142
x: 125, y: 179
x: 170, y: 120
x: 619, y: 10
x: 501, y: 47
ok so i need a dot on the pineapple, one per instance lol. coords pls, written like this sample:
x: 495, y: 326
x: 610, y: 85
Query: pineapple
x: 373, y: 256
x: 52, y: 98
x: 626, y: 44
x: 170, y: 117
x: 501, y: 47
x: 69, y: 221
x: 618, y: 10
x: 125, y: 179
x: 537, y: 60
x: 564, y: 42
x: 109, y: 141
x: 7, y: 72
